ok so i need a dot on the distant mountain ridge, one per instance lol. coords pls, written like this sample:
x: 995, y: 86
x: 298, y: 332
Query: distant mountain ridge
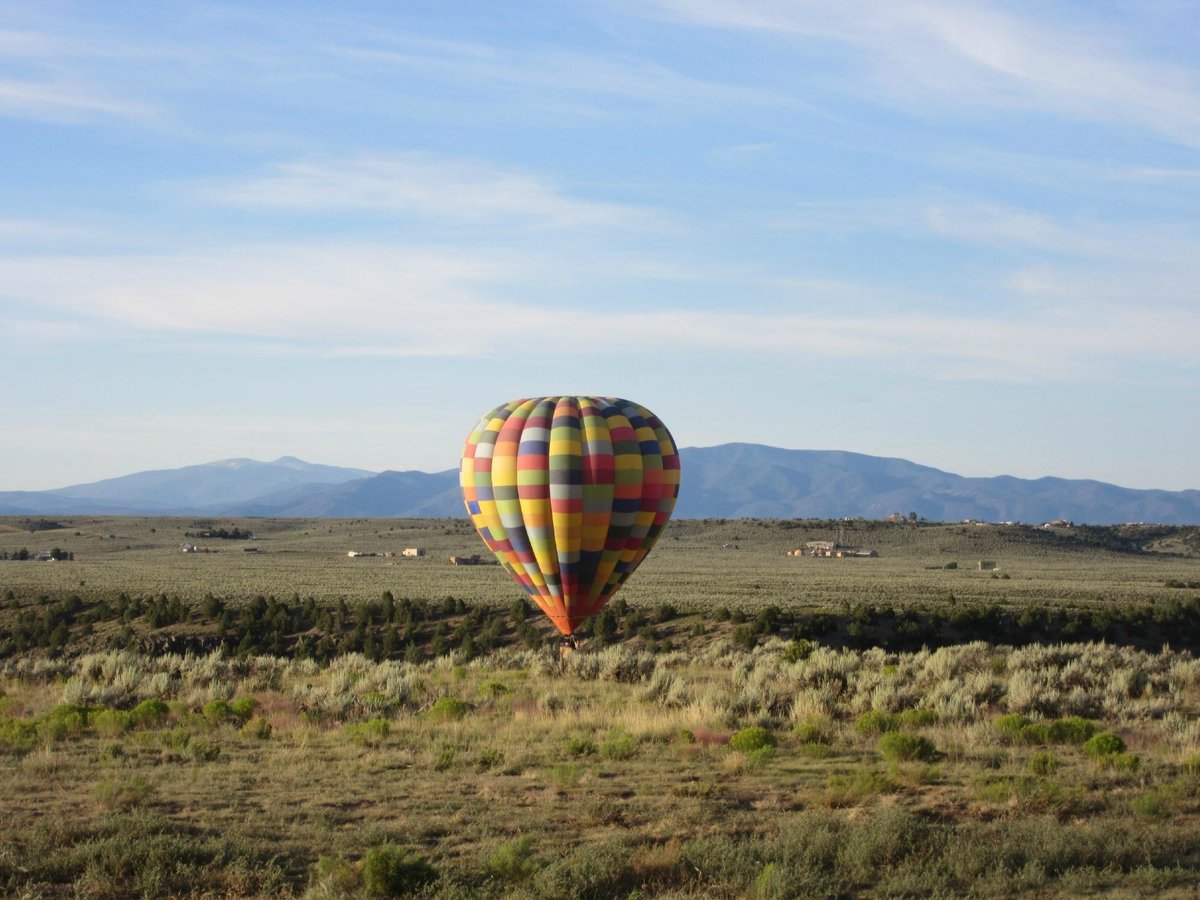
x: 728, y: 481
x: 200, y: 488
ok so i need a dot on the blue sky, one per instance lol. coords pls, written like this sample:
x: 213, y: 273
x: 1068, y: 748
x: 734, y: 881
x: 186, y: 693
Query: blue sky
x: 963, y: 234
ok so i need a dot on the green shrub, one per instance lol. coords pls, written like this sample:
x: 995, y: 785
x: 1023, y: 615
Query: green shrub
x: 798, y: 649
x: 68, y: 718
x: 176, y: 739
x: 335, y: 877
x: 258, y: 728
x: 122, y: 793
x: 1035, y: 733
x: 756, y: 759
x: 243, y: 708
x: 447, y: 709
x: 1104, y: 744
x: 391, y: 871
x: 815, y: 730
x: 591, y: 870
x: 876, y: 721
x: 1072, y: 730
x: 489, y: 758
x: 114, y: 750
x: 514, y: 860
x: 112, y: 722
x: 1043, y: 763
x: 1151, y: 806
x: 580, y: 746
x: 902, y: 745
x: 148, y: 713
x: 217, y: 712
x: 203, y: 750
x: 850, y: 790
x: 750, y: 739
x: 618, y: 744
x: 917, y: 718
x: 445, y: 759
x: 20, y: 735
x: 370, y: 733
x: 1191, y: 765
x: 1011, y: 725
x: 493, y: 689
x: 1124, y: 762
x: 566, y: 775
x: 1014, y: 728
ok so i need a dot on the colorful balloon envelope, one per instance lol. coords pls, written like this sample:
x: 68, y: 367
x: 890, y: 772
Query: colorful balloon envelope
x: 570, y: 493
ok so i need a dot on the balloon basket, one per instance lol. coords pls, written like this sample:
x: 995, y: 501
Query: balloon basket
x: 568, y: 646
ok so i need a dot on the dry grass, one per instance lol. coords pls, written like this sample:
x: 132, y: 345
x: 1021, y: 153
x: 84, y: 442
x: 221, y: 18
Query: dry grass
x: 606, y: 764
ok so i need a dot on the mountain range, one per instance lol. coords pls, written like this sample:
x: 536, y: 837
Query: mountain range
x: 728, y: 481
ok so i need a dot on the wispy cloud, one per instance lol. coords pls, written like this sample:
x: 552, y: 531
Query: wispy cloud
x: 549, y: 72
x: 977, y: 56
x: 43, y: 77
x: 421, y: 185
x: 65, y: 102
x: 1131, y: 241
x: 367, y: 300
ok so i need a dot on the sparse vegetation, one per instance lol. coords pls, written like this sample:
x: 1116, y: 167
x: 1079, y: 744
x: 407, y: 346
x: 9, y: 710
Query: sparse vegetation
x: 270, y: 739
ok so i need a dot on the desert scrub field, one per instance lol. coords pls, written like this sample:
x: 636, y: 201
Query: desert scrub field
x: 790, y: 768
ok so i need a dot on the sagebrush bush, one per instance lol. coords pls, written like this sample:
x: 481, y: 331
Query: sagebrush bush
x: 1104, y: 744
x: 1043, y: 763
x: 918, y: 718
x: 876, y: 721
x: 1072, y: 730
x: 514, y: 860
x: 391, y: 871
x: 122, y: 793
x: 217, y: 712
x: 750, y: 739
x: 257, y: 728
x: 203, y: 750
x: 857, y: 787
x: 814, y: 729
x: 243, y: 708
x: 1151, y: 806
x: 590, y: 870
x: 618, y: 744
x: 1123, y: 762
x: 905, y: 746
x: 370, y: 733
x: 112, y: 722
x: 149, y: 713
x: 447, y: 709
x: 580, y: 745
x: 20, y: 735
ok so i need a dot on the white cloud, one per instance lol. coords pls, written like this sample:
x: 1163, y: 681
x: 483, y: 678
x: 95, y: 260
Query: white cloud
x: 370, y: 300
x: 550, y: 73
x: 973, y: 55
x: 65, y: 102
x: 1156, y: 243
x: 420, y: 185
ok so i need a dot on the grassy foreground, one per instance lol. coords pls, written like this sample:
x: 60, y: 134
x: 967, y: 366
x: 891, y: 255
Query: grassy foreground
x: 789, y: 769
x: 290, y: 721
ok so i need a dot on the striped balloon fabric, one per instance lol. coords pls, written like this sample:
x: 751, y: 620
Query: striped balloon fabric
x: 570, y: 493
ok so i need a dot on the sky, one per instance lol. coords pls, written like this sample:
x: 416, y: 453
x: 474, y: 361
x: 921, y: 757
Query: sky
x: 959, y: 233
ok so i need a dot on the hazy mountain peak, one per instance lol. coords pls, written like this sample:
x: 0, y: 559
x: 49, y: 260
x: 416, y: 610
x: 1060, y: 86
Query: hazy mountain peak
x: 729, y: 481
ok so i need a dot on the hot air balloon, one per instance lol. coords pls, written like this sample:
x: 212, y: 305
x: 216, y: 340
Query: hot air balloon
x: 570, y: 493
